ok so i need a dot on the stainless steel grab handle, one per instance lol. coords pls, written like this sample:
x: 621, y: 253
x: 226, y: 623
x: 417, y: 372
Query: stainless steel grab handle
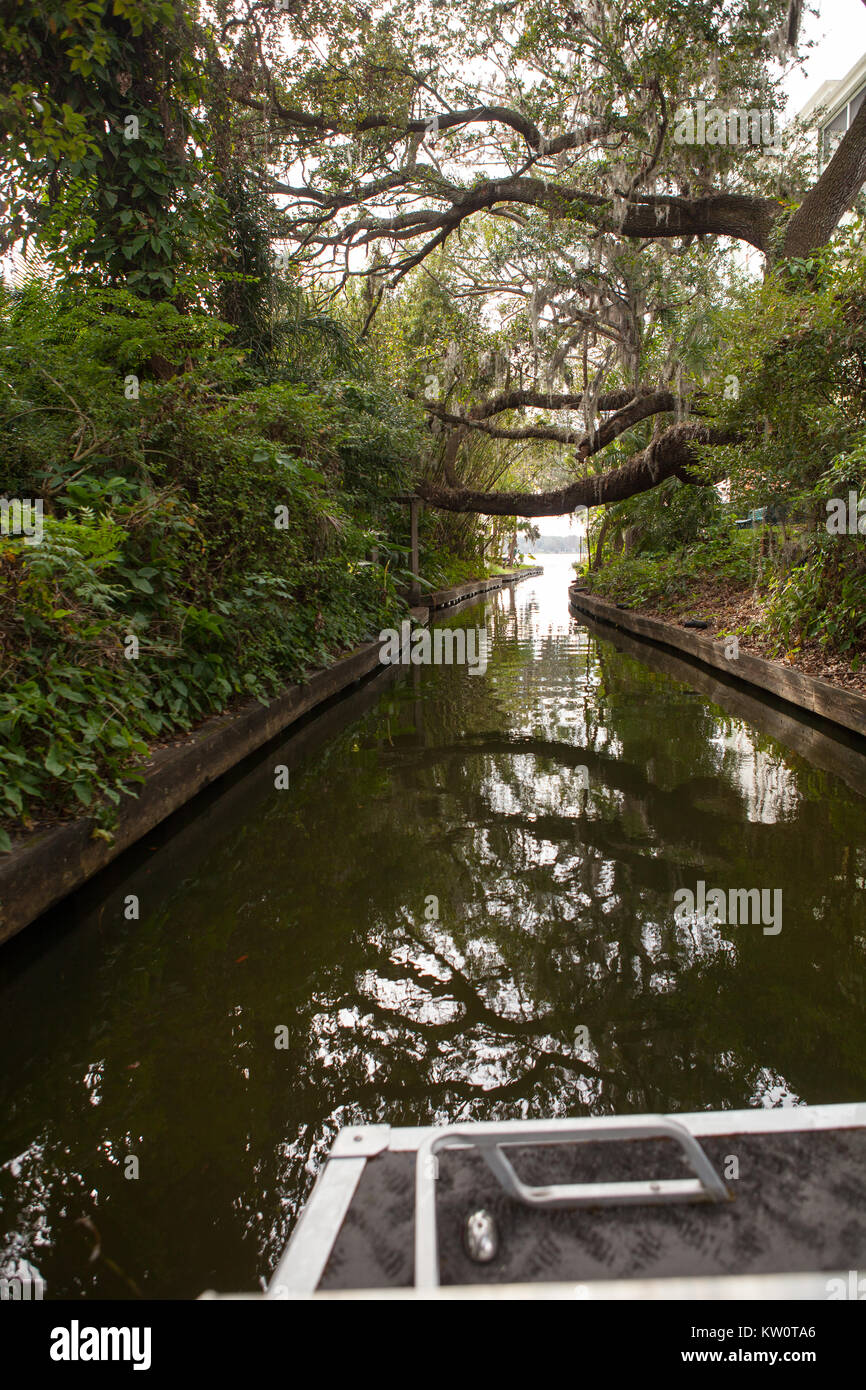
x: 491, y: 1139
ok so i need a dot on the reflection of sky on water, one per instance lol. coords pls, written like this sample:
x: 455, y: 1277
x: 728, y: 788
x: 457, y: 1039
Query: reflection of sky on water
x: 553, y: 807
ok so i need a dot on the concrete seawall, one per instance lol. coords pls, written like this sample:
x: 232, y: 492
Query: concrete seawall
x: 808, y: 693
x: 46, y: 865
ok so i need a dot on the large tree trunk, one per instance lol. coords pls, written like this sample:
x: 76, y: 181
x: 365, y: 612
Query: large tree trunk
x: 672, y: 454
x: 751, y: 219
x: 818, y: 215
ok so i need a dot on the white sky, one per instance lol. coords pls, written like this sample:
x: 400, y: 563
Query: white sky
x: 840, y: 34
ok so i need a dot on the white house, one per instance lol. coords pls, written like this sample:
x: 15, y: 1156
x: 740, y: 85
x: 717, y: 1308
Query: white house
x: 834, y: 106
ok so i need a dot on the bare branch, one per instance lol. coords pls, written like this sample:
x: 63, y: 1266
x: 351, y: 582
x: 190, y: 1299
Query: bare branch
x: 634, y: 409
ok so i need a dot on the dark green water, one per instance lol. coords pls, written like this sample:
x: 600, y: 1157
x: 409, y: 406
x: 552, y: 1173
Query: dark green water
x: 304, y: 909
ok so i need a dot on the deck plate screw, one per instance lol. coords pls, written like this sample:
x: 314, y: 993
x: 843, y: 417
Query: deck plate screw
x: 480, y: 1237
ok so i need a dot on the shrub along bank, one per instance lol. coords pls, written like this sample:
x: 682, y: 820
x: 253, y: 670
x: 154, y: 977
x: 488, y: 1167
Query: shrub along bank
x: 789, y: 375
x: 212, y: 529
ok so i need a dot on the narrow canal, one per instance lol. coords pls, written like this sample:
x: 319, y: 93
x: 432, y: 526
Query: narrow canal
x: 461, y: 907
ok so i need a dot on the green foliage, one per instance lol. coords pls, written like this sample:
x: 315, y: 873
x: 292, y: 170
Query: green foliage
x: 789, y: 376
x: 821, y: 595
x: 791, y: 369
x: 668, y: 579
x: 660, y: 521
x: 444, y: 569
x: 160, y: 526
x: 166, y: 417
x: 822, y: 600
x: 105, y: 151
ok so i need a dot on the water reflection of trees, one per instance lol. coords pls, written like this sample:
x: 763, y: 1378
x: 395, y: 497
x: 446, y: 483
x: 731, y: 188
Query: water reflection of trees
x: 555, y: 910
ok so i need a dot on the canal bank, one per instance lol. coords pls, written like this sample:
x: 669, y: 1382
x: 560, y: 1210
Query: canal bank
x: 461, y: 908
x: 806, y: 693
x: 45, y: 866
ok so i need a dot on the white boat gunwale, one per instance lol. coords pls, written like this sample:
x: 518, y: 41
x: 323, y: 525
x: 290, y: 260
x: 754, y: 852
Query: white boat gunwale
x: 302, y: 1264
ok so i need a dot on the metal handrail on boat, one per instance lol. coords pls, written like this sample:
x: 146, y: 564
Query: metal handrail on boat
x: 491, y: 1139
x: 300, y: 1272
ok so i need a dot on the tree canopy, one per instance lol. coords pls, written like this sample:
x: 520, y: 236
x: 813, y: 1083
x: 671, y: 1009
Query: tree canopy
x: 535, y: 159
x: 579, y: 181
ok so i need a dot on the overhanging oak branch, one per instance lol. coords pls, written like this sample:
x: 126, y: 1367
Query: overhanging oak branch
x: 633, y: 410
x: 673, y: 454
